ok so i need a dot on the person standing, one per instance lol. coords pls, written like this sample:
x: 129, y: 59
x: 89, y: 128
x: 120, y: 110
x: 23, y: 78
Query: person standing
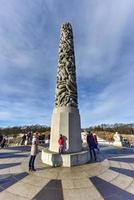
x: 3, y: 143
x: 91, y: 144
x: 34, y: 151
x: 26, y: 140
x: 61, y: 144
x: 23, y: 139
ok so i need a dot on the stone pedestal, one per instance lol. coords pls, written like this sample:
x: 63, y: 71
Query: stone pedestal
x: 117, y: 143
x: 66, y: 121
x: 65, y: 160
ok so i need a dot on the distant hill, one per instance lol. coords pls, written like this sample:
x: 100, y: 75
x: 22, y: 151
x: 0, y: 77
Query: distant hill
x: 117, y: 127
x: 23, y: 129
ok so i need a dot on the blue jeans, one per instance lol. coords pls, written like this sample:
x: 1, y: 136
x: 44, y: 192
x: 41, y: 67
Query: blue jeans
x: 91, y: 150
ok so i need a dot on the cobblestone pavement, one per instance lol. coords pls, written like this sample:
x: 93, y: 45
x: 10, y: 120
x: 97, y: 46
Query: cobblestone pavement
x: 110, y: 178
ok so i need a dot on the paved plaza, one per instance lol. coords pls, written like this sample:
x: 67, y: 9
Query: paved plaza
x: 110, y: 178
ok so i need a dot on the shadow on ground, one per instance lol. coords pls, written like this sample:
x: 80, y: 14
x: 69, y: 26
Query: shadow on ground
x: 8, y: 165
x: 12, y: 155
x: 109, y: 191
x: 19, y: 148
x: 123, y: 159
x: 126, y: 172
x: 6, y: 180
x: 53, y: 190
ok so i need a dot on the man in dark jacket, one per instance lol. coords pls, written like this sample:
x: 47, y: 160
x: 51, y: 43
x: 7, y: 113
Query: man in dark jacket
x: 91, y: 144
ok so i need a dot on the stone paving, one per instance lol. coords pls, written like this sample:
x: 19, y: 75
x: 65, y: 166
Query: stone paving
x: 110, y: 178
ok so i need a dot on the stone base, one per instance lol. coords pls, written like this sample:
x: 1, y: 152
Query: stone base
x: 117, y: 143
x: 66, y: 121
x: 65, y: 160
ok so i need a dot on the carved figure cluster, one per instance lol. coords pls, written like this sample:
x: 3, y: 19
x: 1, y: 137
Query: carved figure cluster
x: 66, y: 88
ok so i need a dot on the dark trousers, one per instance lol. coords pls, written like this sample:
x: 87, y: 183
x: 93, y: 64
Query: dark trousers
x: 31, y: 162
x: 91, y: 150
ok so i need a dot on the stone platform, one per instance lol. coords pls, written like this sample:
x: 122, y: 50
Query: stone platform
x: 110, y: 178
x: 65, y: 160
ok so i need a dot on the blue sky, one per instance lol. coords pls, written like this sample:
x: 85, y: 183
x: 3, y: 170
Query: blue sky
x: 104, y: 51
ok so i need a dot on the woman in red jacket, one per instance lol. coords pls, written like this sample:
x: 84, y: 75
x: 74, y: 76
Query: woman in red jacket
x: 61, y: 144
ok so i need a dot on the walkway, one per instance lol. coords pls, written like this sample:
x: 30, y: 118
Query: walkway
x: 111, y: 178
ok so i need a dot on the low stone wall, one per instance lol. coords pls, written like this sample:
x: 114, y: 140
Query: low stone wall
x: 65, y: 160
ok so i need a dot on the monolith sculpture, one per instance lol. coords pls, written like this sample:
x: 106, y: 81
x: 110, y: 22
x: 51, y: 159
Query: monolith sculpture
x: 65, y: 117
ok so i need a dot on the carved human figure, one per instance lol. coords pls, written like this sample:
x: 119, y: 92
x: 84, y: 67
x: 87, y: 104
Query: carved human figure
x: 117, y: 137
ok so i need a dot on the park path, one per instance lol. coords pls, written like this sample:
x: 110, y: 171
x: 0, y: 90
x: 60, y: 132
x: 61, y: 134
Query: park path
x: 111, y: 178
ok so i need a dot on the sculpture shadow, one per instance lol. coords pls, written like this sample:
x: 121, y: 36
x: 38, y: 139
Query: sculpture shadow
x: 8, y: 165
x: 12, y: 155
x: 6, y: 180
x: 126, y: 172
x: 53, y: 190
x: 123, y: 159
x: 19, y: 148
x: 109, y: 191
x: 114, y: 150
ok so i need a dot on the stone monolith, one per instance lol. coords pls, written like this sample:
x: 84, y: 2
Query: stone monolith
x: 65, y: 117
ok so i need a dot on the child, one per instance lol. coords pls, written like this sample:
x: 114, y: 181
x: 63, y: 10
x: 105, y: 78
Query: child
x: 61, y: 144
